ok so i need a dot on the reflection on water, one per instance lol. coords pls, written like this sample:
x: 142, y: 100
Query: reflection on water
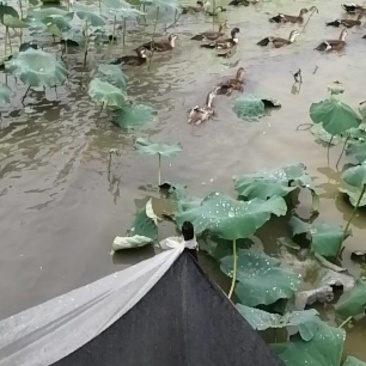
x: 59, y: 211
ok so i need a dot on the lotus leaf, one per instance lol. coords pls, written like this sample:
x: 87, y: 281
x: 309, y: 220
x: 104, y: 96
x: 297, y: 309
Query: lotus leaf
x: 133, y: 116
x: 26, y: 45
x: 105, y: 93
x: 318, y: 131
x: 353, y: 194
x: 325, y: 239
x: 122, y: 8
x: 353, y: 302
x: 324, y: 349
x: 261, y: 320
x: 112, y: 74
x: 248, y: 107
x: 37, y: 68
x: 261, y: 280
x: 357, y: 149
x: 5, y: 93
x: 144, y: 146
x: 7, y: 10
x: 43, y: 13
x: 229, y: 219
x: 336, y: 117
x: 75, y: 37
x: 280, y: 182
x: 143, y: 231
x: 13, y: 22
x: 355, y: 176
x: 61, y: 22
x: 353, y: 361
x: 88, y: 14
x: 173, y: 4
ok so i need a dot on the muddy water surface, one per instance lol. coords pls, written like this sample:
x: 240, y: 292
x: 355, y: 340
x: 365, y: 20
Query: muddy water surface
x: 58, y: 212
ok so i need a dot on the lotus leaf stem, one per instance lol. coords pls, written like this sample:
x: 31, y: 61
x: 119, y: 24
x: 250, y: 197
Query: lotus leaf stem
x: 111, y: 42
x: 25, y: 95
x: 153, y: 35
x: 328, y: 148
x: 159, y: 169
x: 314, y: 9
x: 354, y: 212
x: 111, y: 152
x: 235, y: 260
x: 99, y: 113
x: 124, y: 31
x: 343, y: 149
x: 21, y: 9
x: 345, y: 322
x: 213, y: 13
x: 86, y: 43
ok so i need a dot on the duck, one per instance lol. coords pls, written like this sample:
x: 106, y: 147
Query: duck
x: 364, y: 37
x: 236, y: 83
x: 352, y: 8
x: 278, y: 41
x: 188, y: 239
x: 216, y: 11
x: 161, y: 46
x: 243, y: 2
x: 284, y: 18
x: 201, y: 7
x: 211, y: 35
x: 224, y: 43
x: 348, y: 23
x: 198, y: 114
x: 135, y: 60
x: 333, y: 44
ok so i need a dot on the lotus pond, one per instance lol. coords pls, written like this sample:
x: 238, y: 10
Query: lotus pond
x: 84, y: 145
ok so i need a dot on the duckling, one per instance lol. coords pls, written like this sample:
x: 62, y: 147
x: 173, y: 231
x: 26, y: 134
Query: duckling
x: 348, y: 23
x: 224, y: 43
x: 161, y: 46
x: 137, y: 60
x: 211, y: 35
x: 198, y: 114
x: 216, y: 11
x: 352, y: 8
x: 284, y: 18
x: 333, y: 44
x: 279, y: 42
x: 243, y: 2
x: 201, y: 7
x: 236, y: 83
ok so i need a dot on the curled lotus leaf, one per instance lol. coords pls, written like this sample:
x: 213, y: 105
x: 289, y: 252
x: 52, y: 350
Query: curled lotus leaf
x: 353, y: 302
x: 7, y: 10
x: 355, y: 176
x: 105, y: 93
x: 133, y: 115
x: 113, y: 75
x: 35, y: 68
x: 145, y: 146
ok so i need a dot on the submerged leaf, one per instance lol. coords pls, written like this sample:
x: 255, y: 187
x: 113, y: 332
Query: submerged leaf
x: 336, y: 117
x: 324, y: 349
x: 229, y: 219
x: 133, y: 115
x: 105, y: 93
x: 144, y: 146
x: 37, y: 68
x: 248, y: 107
x: 5, y: 93
x: 261, y: 320
x: 354, y: 302
x: 261, y: 280
x: 353, y: 361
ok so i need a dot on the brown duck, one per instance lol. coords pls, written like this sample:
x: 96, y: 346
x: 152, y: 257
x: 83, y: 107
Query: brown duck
x: 135, y: 60
x: 225, y: 43
x: 284, y: 18
x: 211, y: 35
x: 201, y: 7
x: 198, y: 114
x: 348, y: 23
x: 161, y: 46
x: 227, y: 87
x: 333, y: 44
x: 278, y: 41
x: 352, y: 8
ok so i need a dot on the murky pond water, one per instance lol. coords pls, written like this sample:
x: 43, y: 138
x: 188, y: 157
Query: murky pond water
x: 59, y: 213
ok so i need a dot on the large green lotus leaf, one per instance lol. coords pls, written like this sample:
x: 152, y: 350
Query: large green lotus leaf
x: 145, y: 146
x: 105, y: 93
x: 355, y: 176
x: 60, y: 21
x: 353, y: 302
x: 143, y: 231
x: 229, y: 219
x: 336, y: 117
x: 7, y: 10
x: 324, y: 349
x: 261, y: 280
x: 353, y: 361
x: 357, y: 150
x: 262, y: 320
x: 326, y: 240
x: 37, y: 68
x: 279, y: 182
x: 5, y: 93
x: 112, y: 74
x: 13, y: 22
x: 122, y: 8
x: 88, y: 14
x: 248, y: 107
x: 353, y: 194
x: 133, y: 116
x: 75, y: 36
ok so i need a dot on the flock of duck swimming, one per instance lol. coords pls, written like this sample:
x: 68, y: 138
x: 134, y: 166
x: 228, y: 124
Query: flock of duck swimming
x: 219, y: 41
